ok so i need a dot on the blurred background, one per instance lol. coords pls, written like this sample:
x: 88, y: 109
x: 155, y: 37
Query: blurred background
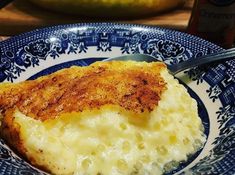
x: 24, y: 15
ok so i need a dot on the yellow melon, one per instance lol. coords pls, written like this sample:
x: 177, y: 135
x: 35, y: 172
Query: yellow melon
x: 110, y: 8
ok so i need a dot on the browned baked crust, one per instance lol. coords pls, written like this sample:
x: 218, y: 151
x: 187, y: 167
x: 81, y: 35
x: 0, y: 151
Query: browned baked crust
x: 135, y: 88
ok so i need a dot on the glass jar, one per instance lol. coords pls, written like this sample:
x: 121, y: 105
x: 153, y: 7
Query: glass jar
x: 214, y: 20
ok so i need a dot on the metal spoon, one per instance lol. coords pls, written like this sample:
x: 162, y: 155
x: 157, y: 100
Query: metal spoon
x: 176, y: 68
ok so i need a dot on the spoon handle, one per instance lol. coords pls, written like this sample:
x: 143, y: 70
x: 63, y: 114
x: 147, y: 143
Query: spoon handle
x: 223, y: 55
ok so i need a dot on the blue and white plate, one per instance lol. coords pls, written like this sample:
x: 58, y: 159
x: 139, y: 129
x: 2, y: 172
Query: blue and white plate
x: 46, y: 50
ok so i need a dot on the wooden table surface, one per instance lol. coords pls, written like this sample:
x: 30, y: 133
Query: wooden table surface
x: 22, y: 16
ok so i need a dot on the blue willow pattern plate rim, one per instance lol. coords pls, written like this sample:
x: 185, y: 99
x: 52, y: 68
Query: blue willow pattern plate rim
x: 28, y: 50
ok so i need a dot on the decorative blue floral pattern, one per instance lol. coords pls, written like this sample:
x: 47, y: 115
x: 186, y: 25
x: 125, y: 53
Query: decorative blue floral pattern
x: 39, y: 48
x: 76, y: 42
x: 221, y: 157
x: 170, y: 49
x: 213, y: 92
x: 21, y: 53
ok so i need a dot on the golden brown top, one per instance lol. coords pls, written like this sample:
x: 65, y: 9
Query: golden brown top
x: 134, y: 86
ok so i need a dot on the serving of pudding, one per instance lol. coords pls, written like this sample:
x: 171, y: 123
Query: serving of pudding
x: 118, y: 117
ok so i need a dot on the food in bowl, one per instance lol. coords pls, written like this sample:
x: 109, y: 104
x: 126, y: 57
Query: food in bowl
x: 117, y: 117
x: 109, y: 8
